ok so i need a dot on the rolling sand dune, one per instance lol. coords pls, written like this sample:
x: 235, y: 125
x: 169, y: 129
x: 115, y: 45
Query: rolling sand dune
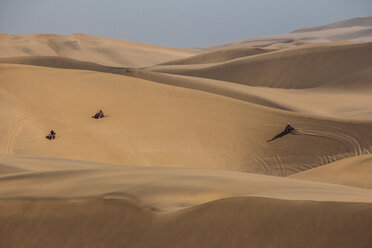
x: 358, y: 21
x: 355, y: 171
x: 158, y: 188
x: 147, y: 120
x: 295, y: 68
x: 106, y: 51
x: 191, y: 152
x: 333, y: 98
x: 330, y: 102
x: 238, y: 222
x: 356, y: 30
x: 119, y: 205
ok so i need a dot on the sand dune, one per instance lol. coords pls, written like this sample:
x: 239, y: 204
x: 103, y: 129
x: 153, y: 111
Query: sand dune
x: 225, y: 223
x: 106, y: 51
x: 358, y: 21
x: 331, y: 102
x: 124, y: 202
x: 295, y: 68
x: 235, y: 91
x: 148, y: 122
x: 355, y: 171
x: 158, y: 188
x: 356, y: 30
x: 325, y: 66
x: 182, y: 158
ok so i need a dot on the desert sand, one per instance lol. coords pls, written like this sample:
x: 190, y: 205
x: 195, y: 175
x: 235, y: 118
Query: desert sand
x: 183, y: 157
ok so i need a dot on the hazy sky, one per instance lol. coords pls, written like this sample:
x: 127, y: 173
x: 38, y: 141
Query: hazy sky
x: 183, y: 23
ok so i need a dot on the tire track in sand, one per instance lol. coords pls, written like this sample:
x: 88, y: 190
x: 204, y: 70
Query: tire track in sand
x: 8, y: 134
x: 347, y: 139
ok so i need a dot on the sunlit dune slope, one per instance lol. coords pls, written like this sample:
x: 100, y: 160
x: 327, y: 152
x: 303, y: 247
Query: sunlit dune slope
x: 106, y: 51
x: 161, y: 125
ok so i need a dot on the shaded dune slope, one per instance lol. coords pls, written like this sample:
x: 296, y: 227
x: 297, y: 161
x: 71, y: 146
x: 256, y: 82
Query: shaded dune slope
x: 294, y: 68
x: 161, y: 125
x: 118, y: 223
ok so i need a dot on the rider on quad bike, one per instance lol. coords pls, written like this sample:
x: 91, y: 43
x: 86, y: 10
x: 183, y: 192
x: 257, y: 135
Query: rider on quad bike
x: 289, y: 128
x: 99, y: 114
x: 51, y: 135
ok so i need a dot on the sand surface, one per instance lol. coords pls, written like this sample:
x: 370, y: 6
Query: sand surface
x: 182, y: 158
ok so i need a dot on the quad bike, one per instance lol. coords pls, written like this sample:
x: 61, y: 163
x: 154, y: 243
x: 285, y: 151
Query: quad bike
x: 98, y: 115
x: 50, y: 136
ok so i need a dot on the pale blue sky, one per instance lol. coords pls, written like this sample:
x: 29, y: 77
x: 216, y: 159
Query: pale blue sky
x: 190, y: 23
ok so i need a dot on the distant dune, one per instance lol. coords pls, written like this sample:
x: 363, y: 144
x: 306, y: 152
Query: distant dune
x: 106, y: 51
x: 358, y: 21
x: 356, y: 30
x: 294, y: 68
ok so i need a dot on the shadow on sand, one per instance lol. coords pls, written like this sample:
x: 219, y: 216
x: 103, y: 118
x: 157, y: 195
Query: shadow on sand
x: 285, y: 132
